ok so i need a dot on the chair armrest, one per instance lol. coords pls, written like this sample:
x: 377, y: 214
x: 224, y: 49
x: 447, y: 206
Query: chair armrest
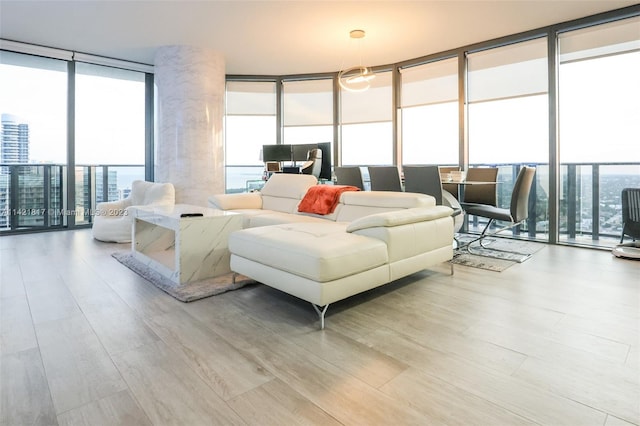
x: 249, y: 200
x: 113, y: 208
x: 400, y: 217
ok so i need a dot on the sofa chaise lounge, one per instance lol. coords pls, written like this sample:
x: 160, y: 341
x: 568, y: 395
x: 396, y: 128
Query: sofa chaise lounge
x: 370, y: 239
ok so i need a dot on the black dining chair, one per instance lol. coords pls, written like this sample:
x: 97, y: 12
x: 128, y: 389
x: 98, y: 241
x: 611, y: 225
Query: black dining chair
x: 385, y: 178
x: 480, y: 194
x: 349, y: 175
x: 427, y: 180
x: 517, y: 212
x: 630, y: 213
x: 423, y: 180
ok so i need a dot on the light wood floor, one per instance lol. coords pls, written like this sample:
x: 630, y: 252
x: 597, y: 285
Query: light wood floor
x: 83, y: 340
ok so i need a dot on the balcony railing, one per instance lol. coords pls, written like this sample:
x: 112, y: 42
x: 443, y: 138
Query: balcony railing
x: 590, y: 210
x: 34, y: 196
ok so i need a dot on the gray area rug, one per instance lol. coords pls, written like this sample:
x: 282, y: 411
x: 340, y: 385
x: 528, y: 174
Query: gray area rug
x: 186, y: 292
x: 501, y: 254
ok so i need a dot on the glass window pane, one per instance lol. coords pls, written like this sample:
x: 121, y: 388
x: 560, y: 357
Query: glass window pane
x: 600, y: 40
x: 430, y: 113
x: 369, y: 106
x: 250, y: 122
x: 430, y: 83
x: 510, y: 125
x: 366, y: 129
x: 34, y: 93
x: 245, y: 136
x: 430, y: 134
x: 367, y: 144
x: 110, y: 115
x: 308, y: 102
x: 251, y: 98
x: 33, y: 107
x: 598, y: 90
x: 504, y: 72
x: 308, y: 134
x: 508, y: 121
x: 509, y: 131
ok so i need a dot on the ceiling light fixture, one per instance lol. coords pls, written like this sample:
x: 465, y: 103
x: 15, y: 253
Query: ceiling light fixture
x: 357, y: 78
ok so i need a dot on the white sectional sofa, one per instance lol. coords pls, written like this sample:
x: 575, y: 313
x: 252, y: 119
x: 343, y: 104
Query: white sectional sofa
x: 372, y: 238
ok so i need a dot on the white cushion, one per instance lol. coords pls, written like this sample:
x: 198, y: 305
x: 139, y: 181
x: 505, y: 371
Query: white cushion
x: 288, y: 185
x: 399, y: 217
x: 363, y: 203
x: 280, y: 204
x: 397, y: 200
x: 318, y: 251
x: 250, y: 200
x: 279, y: 218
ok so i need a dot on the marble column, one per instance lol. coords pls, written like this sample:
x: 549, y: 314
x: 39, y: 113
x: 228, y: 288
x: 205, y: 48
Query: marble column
x: 189, y: 145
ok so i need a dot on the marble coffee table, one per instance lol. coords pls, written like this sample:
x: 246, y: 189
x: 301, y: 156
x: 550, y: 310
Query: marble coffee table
x: 184, y: 248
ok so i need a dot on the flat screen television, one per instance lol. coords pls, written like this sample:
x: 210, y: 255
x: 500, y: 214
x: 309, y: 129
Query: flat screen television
x: 276, y: 153
x: 300, y: 151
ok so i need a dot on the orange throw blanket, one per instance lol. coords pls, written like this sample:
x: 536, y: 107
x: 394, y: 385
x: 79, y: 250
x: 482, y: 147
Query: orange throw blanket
x: 323, y: 199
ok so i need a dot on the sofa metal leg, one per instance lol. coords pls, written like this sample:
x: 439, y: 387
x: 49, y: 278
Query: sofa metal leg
x: 320, y: 313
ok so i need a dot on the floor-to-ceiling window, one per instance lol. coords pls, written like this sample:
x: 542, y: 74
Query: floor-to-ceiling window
x: 366, y: 123
x: 109, y: 134
x: 73, y: 134
x: 33, y: 154
x: 508, y: 119
x: 250, y: 122
x: 307, y: 110
x: 429, y: 119
x: 599, y: 132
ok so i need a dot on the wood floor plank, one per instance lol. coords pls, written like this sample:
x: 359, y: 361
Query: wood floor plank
x: 275, y: 403
x: 24, y: 392
x: 50, y: 300
x: 620, y: 331
x: 226, y: 370
x: 78, y: 367
x: 475, y: 303
x: 169, y: 391
x: 16, y: 327
x: 117, y: 409
x: 10, y: 276
x: 117, y: 326
x: 441, y: 339
x: 316, y: 379
x: 512, y: 394
x: 142, y: 296
x: 611, y: 390
x: 356, y: 359
x: 82, y: 281
x: 614, y: 421
x: 445, y: 404
x: 557, y: 345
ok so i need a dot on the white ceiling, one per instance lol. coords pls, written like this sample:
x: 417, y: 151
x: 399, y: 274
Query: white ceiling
x: 280, y: 37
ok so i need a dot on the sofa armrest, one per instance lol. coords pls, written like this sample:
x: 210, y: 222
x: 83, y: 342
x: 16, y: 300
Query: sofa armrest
x: 113, y: 208
x: 249, y: 200
x: 399, y: 217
